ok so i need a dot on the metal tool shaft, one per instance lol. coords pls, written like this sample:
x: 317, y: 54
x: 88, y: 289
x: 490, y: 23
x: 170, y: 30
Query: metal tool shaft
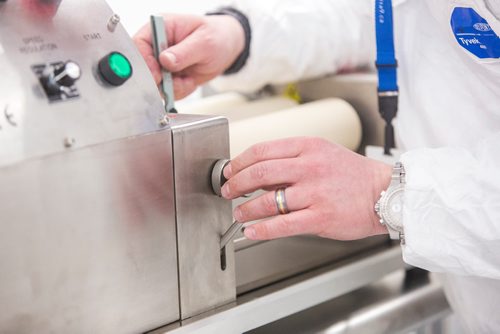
x: 230, y: 233
x: 160, y: 44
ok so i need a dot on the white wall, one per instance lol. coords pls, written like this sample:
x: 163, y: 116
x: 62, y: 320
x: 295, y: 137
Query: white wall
x: 135, y: 14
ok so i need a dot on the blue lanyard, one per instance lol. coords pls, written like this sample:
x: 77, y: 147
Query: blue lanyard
x: 387, y: 65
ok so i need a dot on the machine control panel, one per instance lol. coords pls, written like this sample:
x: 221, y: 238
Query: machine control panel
x: 86, y: 171
x: 70, y: 84
x: 58, y: 79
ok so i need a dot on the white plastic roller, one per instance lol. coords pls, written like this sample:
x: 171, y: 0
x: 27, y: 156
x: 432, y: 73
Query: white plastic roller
x: 213, y: 105
x: 273, y: 118
x: 235, y: 104
x: 332, y: 119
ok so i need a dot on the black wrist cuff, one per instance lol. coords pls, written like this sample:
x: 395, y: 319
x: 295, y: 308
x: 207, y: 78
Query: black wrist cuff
x: 245, y: 23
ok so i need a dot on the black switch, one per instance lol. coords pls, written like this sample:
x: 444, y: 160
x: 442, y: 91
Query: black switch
x: 58, y: 79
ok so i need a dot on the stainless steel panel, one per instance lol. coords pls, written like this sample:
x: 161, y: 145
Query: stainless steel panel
x: 78, y: 32
x: 88, y: 240
x: 87, y: 197
x: 293, y: 295
x: 202, y: 217
x: 395, y: 304
x: 268, y: 262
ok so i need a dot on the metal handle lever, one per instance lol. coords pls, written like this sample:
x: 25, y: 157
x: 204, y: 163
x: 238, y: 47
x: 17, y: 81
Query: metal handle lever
x: 230, y: 233
x: 218, y: 181
x: 160, y: 44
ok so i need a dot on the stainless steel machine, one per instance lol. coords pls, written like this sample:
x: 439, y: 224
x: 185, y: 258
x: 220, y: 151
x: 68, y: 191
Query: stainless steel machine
x: 108, y: 218
x: 109, y: 222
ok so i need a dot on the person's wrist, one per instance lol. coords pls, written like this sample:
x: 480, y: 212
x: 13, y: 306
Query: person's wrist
x: 382, y: 179
x: 237, y: 42
x: 244, y: 37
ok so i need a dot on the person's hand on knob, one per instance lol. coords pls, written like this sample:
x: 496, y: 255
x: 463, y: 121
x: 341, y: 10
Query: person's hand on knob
x: 329, y: 190
x: 201, y: 48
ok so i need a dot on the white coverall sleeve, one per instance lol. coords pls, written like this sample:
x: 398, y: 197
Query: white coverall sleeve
x: 452, y: 209
x: 299, y: 39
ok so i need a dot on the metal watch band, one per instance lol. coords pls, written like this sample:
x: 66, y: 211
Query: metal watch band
x: 398, y: 173
x: 398, y: 178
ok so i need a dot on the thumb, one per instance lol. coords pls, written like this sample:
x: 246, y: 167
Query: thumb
x: 188, y: 52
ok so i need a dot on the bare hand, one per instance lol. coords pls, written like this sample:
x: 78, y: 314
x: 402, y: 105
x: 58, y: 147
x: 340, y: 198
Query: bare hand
x: 330, y: 191
x: 201, y: 48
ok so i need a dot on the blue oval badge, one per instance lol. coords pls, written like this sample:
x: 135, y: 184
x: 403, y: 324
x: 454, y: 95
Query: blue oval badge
x: 474, y: 33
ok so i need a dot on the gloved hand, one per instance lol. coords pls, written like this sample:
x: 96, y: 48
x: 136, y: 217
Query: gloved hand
x: 201, y: 48
x: 330, y: 191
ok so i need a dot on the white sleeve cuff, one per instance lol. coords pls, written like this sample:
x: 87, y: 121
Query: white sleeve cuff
x: 452, y: 209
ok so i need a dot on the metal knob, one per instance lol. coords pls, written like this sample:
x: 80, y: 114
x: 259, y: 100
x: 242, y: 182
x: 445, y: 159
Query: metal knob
x: 218, y: 178
x: 61, y: 77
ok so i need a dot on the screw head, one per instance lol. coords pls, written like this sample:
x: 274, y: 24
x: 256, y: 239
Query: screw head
x: 69, y: 142
x: 164, y: 121
x: 115, y: 19
x: 113, y: 22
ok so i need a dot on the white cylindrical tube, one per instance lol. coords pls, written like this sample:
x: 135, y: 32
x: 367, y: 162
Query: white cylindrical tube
x: 235, y: 105
x: 332, y: 119
x: 259, y: 108
x: 213, y: 105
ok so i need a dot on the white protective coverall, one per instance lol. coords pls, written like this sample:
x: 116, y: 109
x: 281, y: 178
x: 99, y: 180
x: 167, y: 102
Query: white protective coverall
x: 448, y: 121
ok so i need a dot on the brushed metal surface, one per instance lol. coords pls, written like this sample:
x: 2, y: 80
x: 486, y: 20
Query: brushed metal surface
x: 88, y: 240
x: 202, y: 217
x: 395, y: 304
x: 293, y: 295
x: 261, y: 264
x: 87, y: 210
x: 78, y: 32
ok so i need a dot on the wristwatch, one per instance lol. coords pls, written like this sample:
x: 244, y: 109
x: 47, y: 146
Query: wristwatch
x: 390, y: 205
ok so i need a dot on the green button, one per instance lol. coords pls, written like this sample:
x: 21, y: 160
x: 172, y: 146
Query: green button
x: 120, y: 65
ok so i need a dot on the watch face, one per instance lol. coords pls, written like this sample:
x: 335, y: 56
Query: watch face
x: 392, y: 209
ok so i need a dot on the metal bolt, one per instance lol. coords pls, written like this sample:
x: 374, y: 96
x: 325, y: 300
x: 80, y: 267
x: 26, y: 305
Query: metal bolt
x: 69, y: 142
x: 164, y: 121
x: 113, y: 22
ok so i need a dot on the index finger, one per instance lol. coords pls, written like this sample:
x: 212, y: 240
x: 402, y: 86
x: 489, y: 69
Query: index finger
x: 276, y: 149
x: 294, y: 223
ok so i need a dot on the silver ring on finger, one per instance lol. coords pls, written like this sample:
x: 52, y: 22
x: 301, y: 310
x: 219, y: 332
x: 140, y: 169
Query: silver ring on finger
x: 279, y: 196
